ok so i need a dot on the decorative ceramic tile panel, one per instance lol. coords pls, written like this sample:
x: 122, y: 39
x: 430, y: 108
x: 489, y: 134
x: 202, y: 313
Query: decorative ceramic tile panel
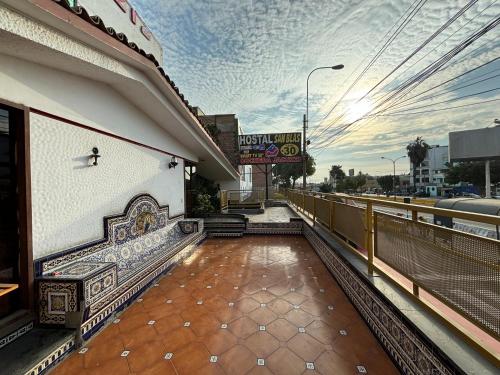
x: 55, y: 298
x: 292, y: 227
x: 137, y: 247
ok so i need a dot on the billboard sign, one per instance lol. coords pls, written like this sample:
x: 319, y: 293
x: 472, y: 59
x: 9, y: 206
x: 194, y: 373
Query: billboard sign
x: 270, y: 148
x: 477, y: 144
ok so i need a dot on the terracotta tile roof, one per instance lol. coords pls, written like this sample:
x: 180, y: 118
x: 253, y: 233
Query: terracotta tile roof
x: 97, y: 22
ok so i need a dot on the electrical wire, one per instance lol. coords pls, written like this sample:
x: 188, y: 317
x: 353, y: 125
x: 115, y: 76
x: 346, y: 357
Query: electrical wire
x: 399, y: 29
x: 432, y: 68
x: 419, y: 48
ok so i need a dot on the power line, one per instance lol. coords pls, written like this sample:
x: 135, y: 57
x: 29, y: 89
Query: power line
x: 399, y: 29
x: 406, y: 112
x: 420, y: 47
x: 440, y: 109
x: 440, y: 44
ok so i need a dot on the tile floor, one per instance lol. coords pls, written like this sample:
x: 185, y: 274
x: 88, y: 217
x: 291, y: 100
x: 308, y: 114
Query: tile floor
x: 253, y: 305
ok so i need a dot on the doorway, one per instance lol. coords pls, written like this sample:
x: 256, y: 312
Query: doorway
x: 16, y: 265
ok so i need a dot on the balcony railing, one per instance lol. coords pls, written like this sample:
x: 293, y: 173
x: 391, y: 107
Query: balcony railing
x: 458, y: 269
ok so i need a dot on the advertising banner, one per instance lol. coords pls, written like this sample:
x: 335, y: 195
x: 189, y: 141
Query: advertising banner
x: 270, y: 148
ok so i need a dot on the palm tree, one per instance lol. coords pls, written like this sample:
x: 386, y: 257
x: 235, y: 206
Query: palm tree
x: 417, y: 151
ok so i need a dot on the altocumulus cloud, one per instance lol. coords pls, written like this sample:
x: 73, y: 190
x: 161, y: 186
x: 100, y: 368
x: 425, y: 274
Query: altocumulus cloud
x: 252, y: 58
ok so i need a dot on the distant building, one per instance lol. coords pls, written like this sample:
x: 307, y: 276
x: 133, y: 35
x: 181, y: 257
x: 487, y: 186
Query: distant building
x: 431, y: 172
x: 404, y: 182
x: 224, y: 129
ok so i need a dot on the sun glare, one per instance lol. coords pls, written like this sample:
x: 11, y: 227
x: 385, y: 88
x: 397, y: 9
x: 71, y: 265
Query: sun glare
x: 359, y: 109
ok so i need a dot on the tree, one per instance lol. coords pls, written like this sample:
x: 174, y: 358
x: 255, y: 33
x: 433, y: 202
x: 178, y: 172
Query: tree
x: 325, y: 187
x: 293, y: 171
x: 472, y: 172
x: 385, y: 182
x: 417, y: 151
x: 336, y: 173
x: 351, y: 183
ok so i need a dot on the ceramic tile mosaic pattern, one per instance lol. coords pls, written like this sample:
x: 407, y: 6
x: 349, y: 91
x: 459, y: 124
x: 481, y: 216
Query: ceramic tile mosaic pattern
x: 138, y: 245
x: 255, y: 305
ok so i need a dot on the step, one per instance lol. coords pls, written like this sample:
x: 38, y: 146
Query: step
x: 40, y: 347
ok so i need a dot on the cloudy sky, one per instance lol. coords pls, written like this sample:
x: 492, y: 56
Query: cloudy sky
x: 252, y: 58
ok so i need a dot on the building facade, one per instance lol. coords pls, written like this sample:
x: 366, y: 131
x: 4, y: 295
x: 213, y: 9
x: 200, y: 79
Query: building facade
x: 431, y: 172
x: 224, y: 129
x: 94, y: 140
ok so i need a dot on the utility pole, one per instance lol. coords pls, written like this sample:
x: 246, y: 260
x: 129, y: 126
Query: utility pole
x: 488, y: 179
x: 304, y: 157
x: 306, y: 121
x: 394, y: 172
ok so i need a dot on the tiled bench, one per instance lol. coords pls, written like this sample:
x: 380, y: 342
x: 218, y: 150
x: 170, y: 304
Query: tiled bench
x: 98, y: 278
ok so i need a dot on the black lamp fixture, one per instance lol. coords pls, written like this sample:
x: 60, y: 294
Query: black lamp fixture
x: 95, y: 155
x: 173, y: 162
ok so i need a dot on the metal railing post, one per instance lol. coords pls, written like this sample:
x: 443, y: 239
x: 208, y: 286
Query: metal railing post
x: 314, y: 209
x: 414, y: 217
x: 330, y: 222
x: 303, y: 202
x: 369, y: 235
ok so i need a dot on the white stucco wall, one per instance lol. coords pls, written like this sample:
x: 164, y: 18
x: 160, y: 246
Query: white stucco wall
x: 79, y: 99
x: 70, y: 198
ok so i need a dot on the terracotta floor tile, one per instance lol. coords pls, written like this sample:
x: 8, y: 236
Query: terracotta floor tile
x: 282, y: 329
x: 205, y: 324
x: 191, y: 358
x: 238, y: 360
x: 251, y: 288
x: 299, y: 317
x: 294, y: 298
x: 191, y: 313
x: 262, y: 344
x: 117, y: 366
x: 162, y: 367
x: 161, y: 310
x: 146, y: 356
x: 227, y: 314
x: 279, y: 306
x: 243, y: 327
x: 331, y: 363
x: 168, y: 324
x: 71, y: 365
x: 306, y: 347
x: 129, y: 322
x: 322, y: 332
x: 247, y: 304
x: 239, y: 344
x: 259, y: 370
x: 138, y: 336
x: 178, y: 338
x: 263, y: 296
x: 263, y: 315
x: 220, y: 341
x: 285, y: 362
x: 215, y: 303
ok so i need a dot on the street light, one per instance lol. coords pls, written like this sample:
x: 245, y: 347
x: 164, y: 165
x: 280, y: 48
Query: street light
x: 306, y: 121
x: 394, y: 175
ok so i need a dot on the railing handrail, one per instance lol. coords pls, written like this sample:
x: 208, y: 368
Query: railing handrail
x: 471, y: 216
x: 302, y: 200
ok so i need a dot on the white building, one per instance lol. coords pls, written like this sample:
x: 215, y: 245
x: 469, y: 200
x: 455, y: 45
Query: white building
x: 90, y: 124
x: 431, y: 171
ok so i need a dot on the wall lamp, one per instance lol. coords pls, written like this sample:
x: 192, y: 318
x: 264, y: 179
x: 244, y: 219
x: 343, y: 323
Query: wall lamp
x: 95, y: 155
x: 173, y: 162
